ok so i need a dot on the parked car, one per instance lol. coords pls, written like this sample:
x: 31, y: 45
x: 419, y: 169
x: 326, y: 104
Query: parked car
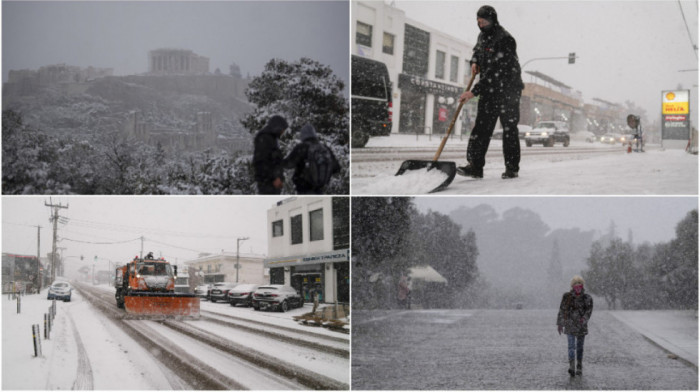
x: 610, y: 138
x: 587, y: 136
x: 277, y: 296
x: 220, y: 291
x: 371, y: 100
x: 626, y: 139
x: 202, y: 291
x: 60, y: 290
x: 242, y: 294
x: 547, y: 133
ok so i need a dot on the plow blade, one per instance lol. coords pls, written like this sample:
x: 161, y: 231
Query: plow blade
x: 162, y: 304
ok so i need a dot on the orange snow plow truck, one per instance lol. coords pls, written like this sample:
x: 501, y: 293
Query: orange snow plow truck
x: 146, y: 287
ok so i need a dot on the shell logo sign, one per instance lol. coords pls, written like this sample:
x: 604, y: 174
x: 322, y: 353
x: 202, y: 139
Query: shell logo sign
x: 675, y: 102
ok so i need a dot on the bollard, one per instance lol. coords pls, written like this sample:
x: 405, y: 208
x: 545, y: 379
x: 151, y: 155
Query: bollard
x: 36, y: 337
x: 46, y: 326
x: 53, y: 305
x: 50, y: 321
x: 19, y: 305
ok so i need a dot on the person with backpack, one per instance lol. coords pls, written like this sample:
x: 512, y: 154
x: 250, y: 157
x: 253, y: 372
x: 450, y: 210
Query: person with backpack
x: 267, y: 157
x: 574, y: 312
x: 313, y: 163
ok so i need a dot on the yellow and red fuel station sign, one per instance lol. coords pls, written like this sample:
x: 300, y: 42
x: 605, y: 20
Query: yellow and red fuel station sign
x: 676, y: 102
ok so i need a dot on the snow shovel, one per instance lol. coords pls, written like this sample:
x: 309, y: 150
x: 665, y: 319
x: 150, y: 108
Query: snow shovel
x: 449, y: 168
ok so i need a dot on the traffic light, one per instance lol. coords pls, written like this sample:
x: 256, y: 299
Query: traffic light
x: 572, y: 58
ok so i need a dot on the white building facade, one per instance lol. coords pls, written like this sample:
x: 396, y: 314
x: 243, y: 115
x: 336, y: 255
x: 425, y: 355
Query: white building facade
x: 309, y: 246
x: 428, y: 69
x: 228, y: 267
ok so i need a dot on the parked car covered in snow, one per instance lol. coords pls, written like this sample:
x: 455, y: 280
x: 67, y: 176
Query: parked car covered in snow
x: 60, y: 290
x: 202, y: 291
x: 277, y: 296
x: 220, y: 291
x: 242, y: 294
x: 547, y: 133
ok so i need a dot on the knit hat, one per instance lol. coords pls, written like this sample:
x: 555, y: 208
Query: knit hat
x: 489, y: 13
x: 577, y: 279
x: 307, y: 132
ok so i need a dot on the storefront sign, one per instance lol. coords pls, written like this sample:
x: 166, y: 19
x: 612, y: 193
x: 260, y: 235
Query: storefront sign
x: 418, y: 84
x: 442, y: 115
x: 318, y: 258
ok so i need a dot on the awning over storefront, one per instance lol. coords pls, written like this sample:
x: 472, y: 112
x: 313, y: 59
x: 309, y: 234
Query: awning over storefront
x: 336, y: 256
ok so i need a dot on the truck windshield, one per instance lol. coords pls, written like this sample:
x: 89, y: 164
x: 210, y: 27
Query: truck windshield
x: 154, y: 269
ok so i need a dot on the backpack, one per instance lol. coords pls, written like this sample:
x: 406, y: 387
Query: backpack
x: 319, y: 165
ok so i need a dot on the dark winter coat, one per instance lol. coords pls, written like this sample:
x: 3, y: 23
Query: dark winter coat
x: 267, y: 156
x: 297, y: 160
x: 495, y: 54
x: 574, y: 313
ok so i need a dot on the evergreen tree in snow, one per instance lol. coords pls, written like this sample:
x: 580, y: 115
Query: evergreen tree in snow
x: 303, y: 92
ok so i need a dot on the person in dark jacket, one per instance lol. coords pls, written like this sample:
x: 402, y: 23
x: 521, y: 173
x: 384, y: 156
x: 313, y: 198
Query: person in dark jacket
x: 499, y: 89
x: 574, y: 312
x: 267, y: 157
x: 297, y: 160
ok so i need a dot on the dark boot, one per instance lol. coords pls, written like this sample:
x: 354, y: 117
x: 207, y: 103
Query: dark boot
x: 579, y: 367
x: 509, y: 174
x: 571, y: 367
x: 470, y: 171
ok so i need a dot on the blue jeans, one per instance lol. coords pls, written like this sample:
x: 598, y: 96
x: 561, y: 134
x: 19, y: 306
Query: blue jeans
x: 575, y: 346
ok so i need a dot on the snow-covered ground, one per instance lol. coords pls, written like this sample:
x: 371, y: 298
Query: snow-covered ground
x: 674, y: 330
x: 86, y: 350
x: 580, y: 169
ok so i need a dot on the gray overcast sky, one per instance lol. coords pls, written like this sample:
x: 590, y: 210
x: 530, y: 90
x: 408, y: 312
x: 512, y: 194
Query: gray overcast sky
x: 120, y: 34
x: 628, y: 50
x: 182, y: 226
x: 652, y: 219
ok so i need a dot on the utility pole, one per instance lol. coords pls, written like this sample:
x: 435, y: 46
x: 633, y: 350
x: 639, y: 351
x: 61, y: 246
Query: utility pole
x: 141, y: 255
x: 238, y: 245
x: 38, y: 258
x: 54, y: 218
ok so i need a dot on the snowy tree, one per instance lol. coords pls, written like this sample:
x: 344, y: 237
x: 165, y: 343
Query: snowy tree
x: 303, y: 92
x: 611, y: 271
x: 380, y: 235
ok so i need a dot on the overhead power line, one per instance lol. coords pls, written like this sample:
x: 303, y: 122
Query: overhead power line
x: 695, y: 48
x: 100, y: 243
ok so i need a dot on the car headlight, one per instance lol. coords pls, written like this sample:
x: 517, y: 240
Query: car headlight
x: 527, y: 133
x: 545, y: 134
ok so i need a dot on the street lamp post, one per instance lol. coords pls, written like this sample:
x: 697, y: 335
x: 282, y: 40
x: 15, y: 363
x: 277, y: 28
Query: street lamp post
x: 238, y: 245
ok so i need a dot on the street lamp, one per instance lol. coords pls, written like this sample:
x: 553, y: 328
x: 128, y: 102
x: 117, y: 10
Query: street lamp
x: 238, y: 245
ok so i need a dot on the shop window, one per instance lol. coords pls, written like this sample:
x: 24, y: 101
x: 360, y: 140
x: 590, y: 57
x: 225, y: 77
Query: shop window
x: 277, y: 275
x: 297, y: 231
x: 454, y: 68
x: 341, y: 223
x: 440, y: 65
x: 277, y: 228
x: 388, y: 43
x: 316, y: 225
x: 363, y: 35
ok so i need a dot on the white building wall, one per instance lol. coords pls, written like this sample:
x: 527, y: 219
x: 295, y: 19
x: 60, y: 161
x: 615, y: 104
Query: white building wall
x: 385, y: 18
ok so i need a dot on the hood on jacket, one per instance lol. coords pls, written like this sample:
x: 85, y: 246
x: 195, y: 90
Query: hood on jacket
x: 276, y: 124
x: 489, y: 13
x: 307, y: 132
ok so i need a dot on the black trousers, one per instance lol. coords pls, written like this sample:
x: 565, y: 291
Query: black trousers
x: 505, y: 106
x: 266, y: 188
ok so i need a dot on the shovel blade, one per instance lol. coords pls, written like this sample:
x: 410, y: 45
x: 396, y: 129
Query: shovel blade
x: 449, y: 168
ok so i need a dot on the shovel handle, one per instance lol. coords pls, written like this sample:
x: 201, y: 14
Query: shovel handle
x: 454, y: 119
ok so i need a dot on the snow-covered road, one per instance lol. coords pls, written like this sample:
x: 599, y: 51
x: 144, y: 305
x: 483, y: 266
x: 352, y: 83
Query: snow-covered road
x: 503, y: 349
x: 581, y: 169
x: 92, y: 350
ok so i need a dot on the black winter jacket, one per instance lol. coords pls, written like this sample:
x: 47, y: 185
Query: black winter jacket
x: 297, y: 160
x: 495, y: 54
x: 574, y: 313
x: 267, y: 157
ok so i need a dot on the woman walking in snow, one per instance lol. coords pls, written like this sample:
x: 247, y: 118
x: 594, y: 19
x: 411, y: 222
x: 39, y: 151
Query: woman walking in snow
x: 574, y: 312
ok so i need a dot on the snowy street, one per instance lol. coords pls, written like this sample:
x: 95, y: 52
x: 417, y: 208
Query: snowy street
x: 580, y: 169
x: 505, y: 349
x: 92, y: 347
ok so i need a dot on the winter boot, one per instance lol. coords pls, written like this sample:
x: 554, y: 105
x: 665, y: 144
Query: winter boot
x: 509, y: 174
x: 579, y: 367
x: 470, y: 171
x: 571, y: 367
